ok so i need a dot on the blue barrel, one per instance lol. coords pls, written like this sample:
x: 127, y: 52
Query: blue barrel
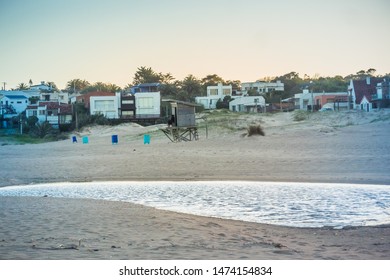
x: 114, y: 139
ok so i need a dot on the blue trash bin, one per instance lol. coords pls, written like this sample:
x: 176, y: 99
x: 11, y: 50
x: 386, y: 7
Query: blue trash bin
x: 114, y: 139
x: 74, y: 139
x: 85, y: 140
x: 146, y: 139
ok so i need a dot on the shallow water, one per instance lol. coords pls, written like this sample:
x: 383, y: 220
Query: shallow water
x: 290, y: 204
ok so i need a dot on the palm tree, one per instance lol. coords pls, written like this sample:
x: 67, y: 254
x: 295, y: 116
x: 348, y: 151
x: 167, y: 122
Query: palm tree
x: 76, y: 85
x: 146, y: 75
x: 192, y: 86
x: 22, y: 86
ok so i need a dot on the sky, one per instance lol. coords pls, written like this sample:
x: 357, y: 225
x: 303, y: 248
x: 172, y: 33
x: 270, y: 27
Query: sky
x: 108, y: 40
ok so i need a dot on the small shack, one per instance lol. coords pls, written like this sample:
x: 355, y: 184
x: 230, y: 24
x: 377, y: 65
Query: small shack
x: 180, y: 118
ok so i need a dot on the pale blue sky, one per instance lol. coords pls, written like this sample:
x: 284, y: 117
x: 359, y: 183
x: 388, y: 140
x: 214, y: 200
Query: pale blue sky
x: 245, y: 40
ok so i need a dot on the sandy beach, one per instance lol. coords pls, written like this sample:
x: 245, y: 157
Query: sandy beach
x: 350, y: 147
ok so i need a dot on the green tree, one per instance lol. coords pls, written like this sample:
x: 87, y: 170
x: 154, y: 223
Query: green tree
x: 53, y: 86
x: 223, y: 104
x: 169, y: 90
x: 211, y: 80
x: 22, y: 86
x: 371, y: 71
x: 145, y: 75
x: 99, y: 86
x: 292, y: 83
x: 42, y: 130
x: 236, y: 85
x: 192, y: 87
x: 76, y: 85
x: 252, y: 92
x: 166, y: 78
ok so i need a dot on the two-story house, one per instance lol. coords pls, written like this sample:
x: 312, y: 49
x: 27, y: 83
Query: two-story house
x: 214, y: 93
x: 55, y: 113
x: 262, y: 87
x: 369, y: 93
x: 147, y: 100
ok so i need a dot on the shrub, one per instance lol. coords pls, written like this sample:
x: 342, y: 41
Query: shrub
x: 255, y: 130
x: 42, y: 130
x: 300, y: 115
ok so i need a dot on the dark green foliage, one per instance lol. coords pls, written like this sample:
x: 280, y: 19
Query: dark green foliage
x: 31, y: 121
x: 224, y: 104
x: 42, y: 130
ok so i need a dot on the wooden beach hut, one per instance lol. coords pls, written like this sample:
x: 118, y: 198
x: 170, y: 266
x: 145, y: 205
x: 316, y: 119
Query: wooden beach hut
x: 180, y: 118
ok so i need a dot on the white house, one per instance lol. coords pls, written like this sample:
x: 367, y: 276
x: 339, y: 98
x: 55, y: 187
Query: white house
x: 247, y: 104
x: 106, y: 105
x: 262, y: 87
x: 306, y: 99
x: 62, y: 97
x: 41, y: 87
x: 369, y: 93
x: 15, y: 103
x: 214, y: 93
x: 55, y: 113
x: 148, y: 104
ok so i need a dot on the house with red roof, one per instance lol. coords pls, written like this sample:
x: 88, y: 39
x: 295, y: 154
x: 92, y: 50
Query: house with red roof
x: 55, y: 113
x: 370, y: 93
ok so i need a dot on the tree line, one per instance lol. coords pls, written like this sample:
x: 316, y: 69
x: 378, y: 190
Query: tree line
x: 190, y: 87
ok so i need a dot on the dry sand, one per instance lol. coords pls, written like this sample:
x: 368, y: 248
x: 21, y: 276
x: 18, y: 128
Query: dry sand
x: 332, y: 147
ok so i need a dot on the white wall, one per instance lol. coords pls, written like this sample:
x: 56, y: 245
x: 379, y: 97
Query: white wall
x: 214, y: 93
x: 19, y: 104
x: 148, y: 104
x: 241, y: 103
x: 262, y: 87
x: 106, y: 105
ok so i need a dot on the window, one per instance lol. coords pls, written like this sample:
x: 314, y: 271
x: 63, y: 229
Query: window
x: 227, y: 91
x: 127, y: 101
x: 145, y: 102
x: 127, y: 113
x: 104, y: 105
x: 42, y: 112
x: 214, y: 91
x: 52, y: 112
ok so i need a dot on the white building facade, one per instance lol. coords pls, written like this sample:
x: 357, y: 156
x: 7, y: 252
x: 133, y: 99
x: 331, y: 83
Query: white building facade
x: 307, y: 99
x: 148, y: 104
x: 214, y: 93
x: 105, y: 105
x: 262, y: 87
x: 248, y: 104
x: 16, y: 103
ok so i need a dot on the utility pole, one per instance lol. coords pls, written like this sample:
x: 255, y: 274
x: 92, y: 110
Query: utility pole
x: 4, y: 83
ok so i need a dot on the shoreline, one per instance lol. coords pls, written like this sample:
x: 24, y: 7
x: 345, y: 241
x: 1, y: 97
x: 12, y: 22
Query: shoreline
x: 184, y: 179
x: 64, y: 228
x: 125, y: 189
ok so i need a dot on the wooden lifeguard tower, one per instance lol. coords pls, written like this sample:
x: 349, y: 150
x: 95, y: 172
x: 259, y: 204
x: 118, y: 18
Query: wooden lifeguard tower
x: 180, y: 117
